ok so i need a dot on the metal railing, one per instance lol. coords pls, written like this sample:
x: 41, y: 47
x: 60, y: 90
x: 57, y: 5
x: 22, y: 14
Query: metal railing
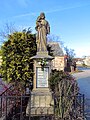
x: 87, y: 108
x: 13, y: 107
x: 70, y: 107
x: 4, y: 101
x: 12, y: 104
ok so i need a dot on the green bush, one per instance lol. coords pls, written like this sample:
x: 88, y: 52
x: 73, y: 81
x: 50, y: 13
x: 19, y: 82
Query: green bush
x: 16, y: 55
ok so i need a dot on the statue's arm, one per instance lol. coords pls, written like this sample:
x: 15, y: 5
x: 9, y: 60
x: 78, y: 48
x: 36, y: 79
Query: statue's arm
x: 36, y: 28
x: 48, y: 28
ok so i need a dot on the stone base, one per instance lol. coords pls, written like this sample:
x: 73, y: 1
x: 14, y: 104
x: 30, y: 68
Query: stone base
x: 40, y: 90
x: 42, y: 53
x: 41, y: 103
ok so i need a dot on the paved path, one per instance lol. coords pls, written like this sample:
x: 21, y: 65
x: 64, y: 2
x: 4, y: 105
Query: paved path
x: 84, y: 82
x: 83, y: 79
x: 84, y: 74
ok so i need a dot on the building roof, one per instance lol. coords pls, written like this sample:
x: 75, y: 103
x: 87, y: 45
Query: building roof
x: 55, y: 47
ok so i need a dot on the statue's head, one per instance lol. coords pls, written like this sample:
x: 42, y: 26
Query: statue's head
x: 42, y: 15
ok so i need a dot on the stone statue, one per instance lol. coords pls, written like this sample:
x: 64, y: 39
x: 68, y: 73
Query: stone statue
x: 42, y: 28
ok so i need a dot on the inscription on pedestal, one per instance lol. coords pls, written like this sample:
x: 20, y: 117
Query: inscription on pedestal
x: 42, y: 77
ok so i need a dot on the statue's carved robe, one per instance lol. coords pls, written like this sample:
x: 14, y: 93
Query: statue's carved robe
x: 43, y: 29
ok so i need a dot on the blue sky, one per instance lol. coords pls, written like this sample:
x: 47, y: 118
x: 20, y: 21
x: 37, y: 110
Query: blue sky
x: 69, y: 19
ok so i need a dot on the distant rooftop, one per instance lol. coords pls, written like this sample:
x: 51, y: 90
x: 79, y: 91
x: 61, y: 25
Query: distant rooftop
x: 57, y: 50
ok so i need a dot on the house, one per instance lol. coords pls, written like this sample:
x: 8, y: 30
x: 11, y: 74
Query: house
x: 87, y: 60
x: 59, y: 61
x: 79, y: 62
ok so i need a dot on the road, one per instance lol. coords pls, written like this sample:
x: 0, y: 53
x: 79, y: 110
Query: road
x: 83, y: 79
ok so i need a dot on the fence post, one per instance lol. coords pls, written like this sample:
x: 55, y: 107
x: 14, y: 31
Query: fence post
x: 54, y: 105
x: 30, y: 106
x: 6, y: 106
x: 1, y: 106
x: 83, y: 106
x: 21, y: 108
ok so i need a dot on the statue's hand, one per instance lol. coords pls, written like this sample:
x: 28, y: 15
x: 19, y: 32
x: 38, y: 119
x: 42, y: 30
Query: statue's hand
x: 36, y: 28
x: 37, y: 41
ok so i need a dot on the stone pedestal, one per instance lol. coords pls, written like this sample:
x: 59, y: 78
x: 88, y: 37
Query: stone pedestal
x: 41, y: 101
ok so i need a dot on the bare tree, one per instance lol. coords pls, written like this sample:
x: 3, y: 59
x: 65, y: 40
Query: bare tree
x: 8, y: 28
x: 70, y: 53
x: 54, y: 38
